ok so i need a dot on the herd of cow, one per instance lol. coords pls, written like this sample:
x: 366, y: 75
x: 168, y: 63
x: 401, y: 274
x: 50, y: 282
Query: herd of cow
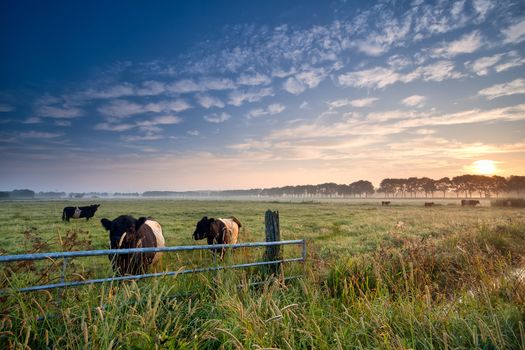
x: 464, y: 202
x: 145, y: 232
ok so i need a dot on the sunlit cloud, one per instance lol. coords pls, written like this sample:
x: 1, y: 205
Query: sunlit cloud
x: 514, y: 33
x: 274, y: 108
x: 466, y: 44
x: 414, y: 101
x: 514, y: 87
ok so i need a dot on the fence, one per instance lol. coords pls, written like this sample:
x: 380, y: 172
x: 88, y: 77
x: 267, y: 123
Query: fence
x: 69, y: 255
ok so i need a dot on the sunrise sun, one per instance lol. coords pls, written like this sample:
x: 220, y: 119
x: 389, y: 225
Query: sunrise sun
x: 484, y: 167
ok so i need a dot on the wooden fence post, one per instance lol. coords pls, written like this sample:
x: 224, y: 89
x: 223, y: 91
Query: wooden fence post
x: 273, y: 234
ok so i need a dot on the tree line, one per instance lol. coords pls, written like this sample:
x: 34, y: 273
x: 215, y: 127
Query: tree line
x: 411, y: 187
x: 464, y: 185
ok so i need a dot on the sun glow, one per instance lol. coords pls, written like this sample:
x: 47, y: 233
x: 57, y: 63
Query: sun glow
x: 484, y: 167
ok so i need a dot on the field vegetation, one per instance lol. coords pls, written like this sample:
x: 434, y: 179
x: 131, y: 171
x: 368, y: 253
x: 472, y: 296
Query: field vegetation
x: 396, y: 277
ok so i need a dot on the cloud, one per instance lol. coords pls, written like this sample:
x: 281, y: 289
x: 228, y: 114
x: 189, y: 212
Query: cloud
x: 151, y: 88
x: 514, y: 87
x: 363, y: 102
x: 513, y: 59
x: 150, y: 125
x: 239, y: 97
x: 381, y: 77
x: 32, y: 120
x: 149, y: 136
x: 123, y: 108
x: 161, y: 120
x: 466, y: 44
x: 414, y: 101
x: 482, y: 65
x: 193, y: 132
x: 6, y: 108
x: 393, y: 31
x: 114, y: 127
x: 358, y: 103
x: 64, y: 112
x: 217, y: 118
x: 202, y: 85
x: 253, y: 79
x: 293, y: 86
x: 515, y: 33
x: 303, y: 105
x: 62, y: 122
x: 40, y: 135
x: 208, y: 101
x: 274, y: 108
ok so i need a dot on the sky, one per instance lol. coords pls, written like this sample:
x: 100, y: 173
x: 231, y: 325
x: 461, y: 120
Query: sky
x: 215, y: 95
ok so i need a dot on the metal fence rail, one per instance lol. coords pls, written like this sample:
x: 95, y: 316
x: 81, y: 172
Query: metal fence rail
x: 102, y: 252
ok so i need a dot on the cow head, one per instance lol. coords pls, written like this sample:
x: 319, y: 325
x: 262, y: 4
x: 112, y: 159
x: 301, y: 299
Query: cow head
x: 122, y: 231
x: 203, y: 228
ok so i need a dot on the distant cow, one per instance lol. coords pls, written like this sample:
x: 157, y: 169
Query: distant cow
x: 79, y: 212
x: 429, y: 204
x: 128, y: 232
x: 469, y: 202
x: 385, y: 203
x: 218, y: 231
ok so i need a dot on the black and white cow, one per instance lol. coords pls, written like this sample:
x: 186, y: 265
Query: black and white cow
x: 218, y: 231
x: 128, y: 232
x: 79, y: 212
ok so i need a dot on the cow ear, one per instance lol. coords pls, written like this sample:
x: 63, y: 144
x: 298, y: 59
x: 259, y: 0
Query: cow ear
x: 106, y: 223
x: 140, y: 222
x: 204, y: 218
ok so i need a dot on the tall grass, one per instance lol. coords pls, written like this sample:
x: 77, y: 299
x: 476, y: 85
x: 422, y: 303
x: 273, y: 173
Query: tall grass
x: 457, y: 291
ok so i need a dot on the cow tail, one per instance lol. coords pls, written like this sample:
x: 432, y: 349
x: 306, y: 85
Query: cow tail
x: 64, y: 215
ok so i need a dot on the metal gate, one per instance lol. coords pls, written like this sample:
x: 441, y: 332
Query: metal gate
x: 70, y: 255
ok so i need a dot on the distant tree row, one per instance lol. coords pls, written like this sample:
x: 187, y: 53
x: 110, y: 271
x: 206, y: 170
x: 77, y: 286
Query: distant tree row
x: 466, y: 185
x: 412, y: 187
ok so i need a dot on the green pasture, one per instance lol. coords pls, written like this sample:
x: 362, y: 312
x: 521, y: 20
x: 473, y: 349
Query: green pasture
x: 398, y: 277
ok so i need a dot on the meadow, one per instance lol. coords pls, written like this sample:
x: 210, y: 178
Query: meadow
x: 395, y: 277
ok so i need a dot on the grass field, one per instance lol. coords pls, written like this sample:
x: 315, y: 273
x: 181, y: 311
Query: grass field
x: 394, y: 277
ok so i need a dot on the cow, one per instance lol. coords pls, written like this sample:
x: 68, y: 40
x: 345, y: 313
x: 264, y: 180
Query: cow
x: 127, y: 232
x: 79, y: 212
x: 469, y: 202
x: 385, y: 203
x: 429, y: 204
x: 218, y: 231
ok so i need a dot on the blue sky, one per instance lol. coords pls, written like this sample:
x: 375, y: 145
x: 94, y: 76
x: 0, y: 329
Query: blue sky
x: 134, y: 96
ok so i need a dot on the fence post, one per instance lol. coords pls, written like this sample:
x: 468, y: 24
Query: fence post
x: 273, y: 234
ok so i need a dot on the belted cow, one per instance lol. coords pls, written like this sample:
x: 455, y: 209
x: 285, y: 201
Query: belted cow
x: 79, y: 212
x: 128, y: 232
x: 469, y: 202
x: 218, y: 231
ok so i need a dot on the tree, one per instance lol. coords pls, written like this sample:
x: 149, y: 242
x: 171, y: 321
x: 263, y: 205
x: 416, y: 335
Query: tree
x: 499, y: 184
x: 443, y: 185
x: 427, y: 185
x: 516, y: 183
